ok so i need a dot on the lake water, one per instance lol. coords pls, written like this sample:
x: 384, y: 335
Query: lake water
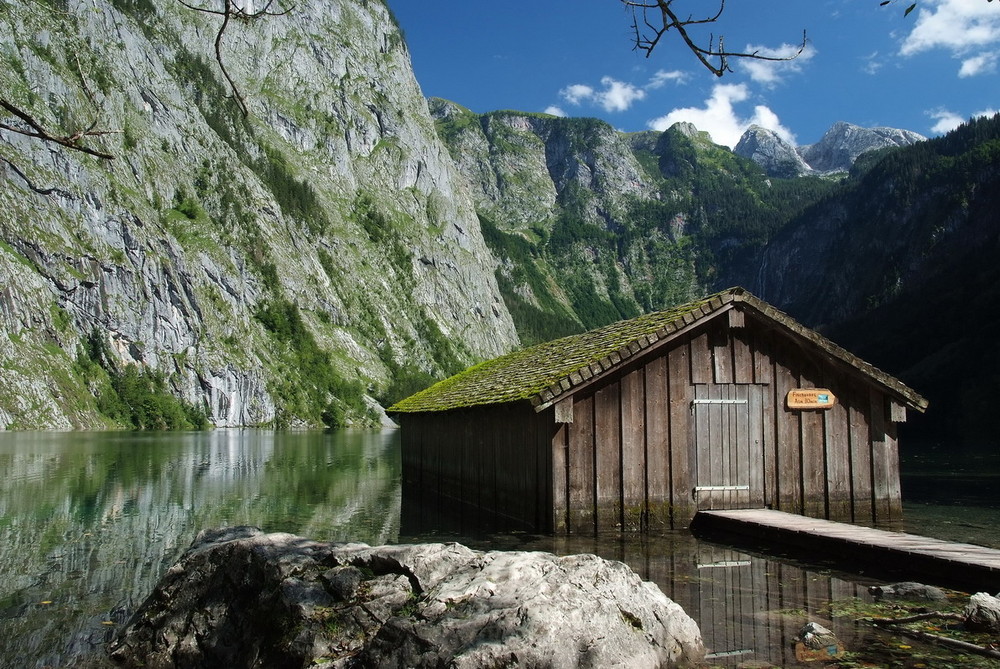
x: 89, y: 522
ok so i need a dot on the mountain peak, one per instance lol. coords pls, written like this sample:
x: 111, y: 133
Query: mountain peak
x: 841, y: 145
x: 685, y: 128
x: 767, y: 149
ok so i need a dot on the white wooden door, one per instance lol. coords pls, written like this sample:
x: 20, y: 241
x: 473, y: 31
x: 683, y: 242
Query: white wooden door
x: 728, y: 446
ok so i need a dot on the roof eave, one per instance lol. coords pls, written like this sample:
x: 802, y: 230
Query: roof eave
x: 896, y: 388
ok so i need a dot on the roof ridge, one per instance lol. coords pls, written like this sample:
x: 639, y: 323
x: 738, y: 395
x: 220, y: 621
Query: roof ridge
x: 543, y: 373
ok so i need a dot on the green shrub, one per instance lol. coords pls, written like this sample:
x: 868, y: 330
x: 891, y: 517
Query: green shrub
x: 405, y: 380
x: 312, y: 389
x: 133, y: 397
x: 296, y: 197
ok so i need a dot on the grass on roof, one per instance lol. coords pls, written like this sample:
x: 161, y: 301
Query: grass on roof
x: 523, y: 374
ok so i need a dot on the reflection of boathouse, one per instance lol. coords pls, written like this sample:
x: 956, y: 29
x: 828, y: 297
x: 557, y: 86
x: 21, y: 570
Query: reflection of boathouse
x: 721, y: 403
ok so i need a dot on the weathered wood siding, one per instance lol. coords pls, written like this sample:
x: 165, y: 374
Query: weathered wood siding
x: 634, y: 450
x: 480, y: 468
x: 639, y: 447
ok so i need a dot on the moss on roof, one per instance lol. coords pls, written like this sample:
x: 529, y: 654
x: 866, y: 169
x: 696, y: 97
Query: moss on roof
x: 545, y: 372
x: 527, y: 373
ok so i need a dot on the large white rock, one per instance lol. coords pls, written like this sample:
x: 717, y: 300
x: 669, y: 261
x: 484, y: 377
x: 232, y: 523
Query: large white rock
x: 242, y: 598
x: 983, y: 612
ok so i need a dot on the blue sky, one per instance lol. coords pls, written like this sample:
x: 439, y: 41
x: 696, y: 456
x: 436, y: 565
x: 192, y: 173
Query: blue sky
x: 864, y: 64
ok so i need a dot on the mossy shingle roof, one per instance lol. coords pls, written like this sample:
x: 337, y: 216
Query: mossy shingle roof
x: 542, y: 373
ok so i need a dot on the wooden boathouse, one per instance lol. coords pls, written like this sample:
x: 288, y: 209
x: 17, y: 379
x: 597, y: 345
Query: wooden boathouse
x: 722, y: 403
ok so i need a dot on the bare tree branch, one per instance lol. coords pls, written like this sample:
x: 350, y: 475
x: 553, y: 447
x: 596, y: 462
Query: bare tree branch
x: 73, y: 140
x: 713, y: 55
x: 231, y: 11
x: 36, y: 129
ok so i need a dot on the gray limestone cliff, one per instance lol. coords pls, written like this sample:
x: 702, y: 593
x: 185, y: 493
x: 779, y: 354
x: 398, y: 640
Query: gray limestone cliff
x: 771, y: 152
x: 575, y: 211
x: 274, y: 268
x: 843, y: 143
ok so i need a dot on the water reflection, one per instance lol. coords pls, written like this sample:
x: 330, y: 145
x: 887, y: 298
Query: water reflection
x: 89, y: 522
x: 952, y: 493
x: 749, y: 607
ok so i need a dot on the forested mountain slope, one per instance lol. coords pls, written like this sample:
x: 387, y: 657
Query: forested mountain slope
x: 903, y: 265
x: 901, y: 215
x: 592, y: 225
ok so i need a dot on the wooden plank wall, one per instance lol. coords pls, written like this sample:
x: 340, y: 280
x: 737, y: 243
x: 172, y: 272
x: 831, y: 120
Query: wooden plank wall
x: 479, y: 469
x: 840, y: 463
x: 629, y: 451
x: 626, y: 461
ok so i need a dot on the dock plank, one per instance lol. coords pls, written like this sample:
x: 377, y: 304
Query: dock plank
x: 961, y: 566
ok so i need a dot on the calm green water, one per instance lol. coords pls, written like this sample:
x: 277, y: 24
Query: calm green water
x: 89, y: 521
x: 952, y: 494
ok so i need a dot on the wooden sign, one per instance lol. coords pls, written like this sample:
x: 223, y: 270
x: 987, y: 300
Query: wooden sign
x: 810, y: 398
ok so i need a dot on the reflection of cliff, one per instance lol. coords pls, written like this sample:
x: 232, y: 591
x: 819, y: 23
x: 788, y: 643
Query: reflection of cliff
x: 90, y: 521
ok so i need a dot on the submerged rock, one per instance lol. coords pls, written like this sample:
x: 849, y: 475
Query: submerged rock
x: 817, y: 643
x: 908, y: 590
x: 982, y: 613
x: 242, y: 598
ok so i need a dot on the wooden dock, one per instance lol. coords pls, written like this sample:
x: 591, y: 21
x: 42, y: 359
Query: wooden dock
x: 874, y: 552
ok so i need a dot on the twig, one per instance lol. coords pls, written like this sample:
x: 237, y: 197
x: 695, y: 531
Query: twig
x: 670, y: 20
x: 24, y: 177
x: 915, y: 618
x: 951, y: 643
x: 232, y: 11
x: 897, y: 627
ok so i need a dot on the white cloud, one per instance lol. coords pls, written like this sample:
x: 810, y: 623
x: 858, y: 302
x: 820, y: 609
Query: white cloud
x: 959, y: 26
x: 771, y: 72
x: 946, y: 121
x: 719, y: 117
x: 663, y: 77
x: 615, y: 96
x: 618, y: 96
x: 554, y: 110
x: 576, y: 93
x: 949, y: 120
x: 984, y: 63
x: 873, y: 63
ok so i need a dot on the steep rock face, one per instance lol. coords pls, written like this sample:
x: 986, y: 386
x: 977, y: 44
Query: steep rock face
x: 241, y: 598
x: 574, y: 210
x: 520, y: 163
x: 514, y: 185
x: 775, y: 155
x: 844, y: 142
x: 333, y: 205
